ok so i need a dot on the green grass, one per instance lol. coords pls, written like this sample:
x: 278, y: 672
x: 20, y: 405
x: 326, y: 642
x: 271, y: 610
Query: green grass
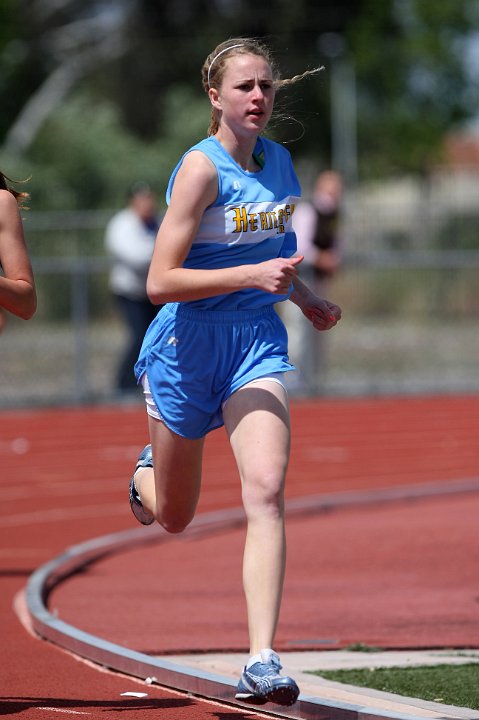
x: 449, y: 684
x: 362, y: 647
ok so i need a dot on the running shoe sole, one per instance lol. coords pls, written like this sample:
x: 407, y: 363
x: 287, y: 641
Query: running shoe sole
x: 143, y: 516
x: 283, y: 694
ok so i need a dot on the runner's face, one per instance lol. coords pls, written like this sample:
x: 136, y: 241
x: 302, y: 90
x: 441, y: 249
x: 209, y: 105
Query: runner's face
x: 246, y: 95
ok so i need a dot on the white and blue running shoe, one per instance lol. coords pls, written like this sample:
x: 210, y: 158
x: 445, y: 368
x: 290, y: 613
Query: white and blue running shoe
x: 145, y: 459
x: 261, y: 682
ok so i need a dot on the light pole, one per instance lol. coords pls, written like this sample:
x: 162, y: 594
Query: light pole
x: 343, y: 107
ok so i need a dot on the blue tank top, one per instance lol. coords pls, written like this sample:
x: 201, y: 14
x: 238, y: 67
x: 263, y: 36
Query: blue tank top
x: 249, y: 222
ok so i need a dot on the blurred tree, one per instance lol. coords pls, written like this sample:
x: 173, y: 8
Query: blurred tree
x: 62, y: 43
x: 132, y: 51
x: 412, y: 78
x: 169, y: 42
x: 142, y: 58
x: 19, y: 77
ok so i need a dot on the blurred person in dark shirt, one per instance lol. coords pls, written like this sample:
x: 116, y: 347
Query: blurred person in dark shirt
x: 316, y: 223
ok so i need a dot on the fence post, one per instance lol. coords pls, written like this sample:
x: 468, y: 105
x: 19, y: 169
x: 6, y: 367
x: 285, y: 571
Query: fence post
x: 80, y: 306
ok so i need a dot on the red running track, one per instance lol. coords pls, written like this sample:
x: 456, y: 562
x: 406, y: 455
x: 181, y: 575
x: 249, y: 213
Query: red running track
x: 393, y: 575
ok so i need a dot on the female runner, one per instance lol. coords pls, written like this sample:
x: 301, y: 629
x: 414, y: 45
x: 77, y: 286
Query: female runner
x: 217, y: 351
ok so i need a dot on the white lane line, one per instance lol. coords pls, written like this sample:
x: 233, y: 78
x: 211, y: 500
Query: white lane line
x: 62, y: 710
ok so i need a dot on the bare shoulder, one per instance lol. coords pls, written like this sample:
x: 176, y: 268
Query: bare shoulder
x: 198, y: 177
x: 9, y: 212
x: 7, y: 201
x: 197, y: 164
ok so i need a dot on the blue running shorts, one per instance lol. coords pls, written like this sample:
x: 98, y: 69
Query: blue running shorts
x: 196, y: 359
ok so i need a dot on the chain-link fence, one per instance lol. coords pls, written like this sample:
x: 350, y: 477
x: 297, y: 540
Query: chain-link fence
x: 408, y: 288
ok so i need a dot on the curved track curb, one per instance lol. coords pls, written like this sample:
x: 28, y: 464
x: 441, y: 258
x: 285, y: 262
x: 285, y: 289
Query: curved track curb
x: 181, y: 677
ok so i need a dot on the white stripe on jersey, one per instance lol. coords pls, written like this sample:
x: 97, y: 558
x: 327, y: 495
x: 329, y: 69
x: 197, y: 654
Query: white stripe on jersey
x: 246, y: 222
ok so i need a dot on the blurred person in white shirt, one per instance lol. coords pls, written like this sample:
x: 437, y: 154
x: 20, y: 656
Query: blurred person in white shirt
x: 130, y: 239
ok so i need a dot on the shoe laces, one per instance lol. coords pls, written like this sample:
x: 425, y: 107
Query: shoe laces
x: 270, y: 671
x: 271, y: 659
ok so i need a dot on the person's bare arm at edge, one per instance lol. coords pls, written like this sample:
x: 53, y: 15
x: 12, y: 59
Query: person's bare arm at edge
x: 321, y: 313
x: 195, y: 188
x: 17, y: 287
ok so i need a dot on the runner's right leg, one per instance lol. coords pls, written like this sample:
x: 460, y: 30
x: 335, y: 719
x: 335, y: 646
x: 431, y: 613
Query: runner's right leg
x: 170, y: 490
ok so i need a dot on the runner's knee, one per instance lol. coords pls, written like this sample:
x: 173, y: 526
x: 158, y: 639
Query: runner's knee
x: 263, y: 495
x: 173, y: 522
